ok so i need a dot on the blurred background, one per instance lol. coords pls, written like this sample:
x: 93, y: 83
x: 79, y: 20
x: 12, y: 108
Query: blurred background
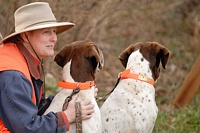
x: 115, y: 24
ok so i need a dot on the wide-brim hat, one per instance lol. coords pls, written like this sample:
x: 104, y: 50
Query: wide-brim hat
x: 37, y: 15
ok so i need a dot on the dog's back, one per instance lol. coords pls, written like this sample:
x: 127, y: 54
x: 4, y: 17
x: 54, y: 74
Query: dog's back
x: 131, y: 107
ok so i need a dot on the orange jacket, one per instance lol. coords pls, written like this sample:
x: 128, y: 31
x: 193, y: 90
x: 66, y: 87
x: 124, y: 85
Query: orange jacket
x: 16, y: 58
x: 10, y: 55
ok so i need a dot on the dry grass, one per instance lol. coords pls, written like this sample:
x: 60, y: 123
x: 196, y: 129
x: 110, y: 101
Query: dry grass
x: 115, y: 24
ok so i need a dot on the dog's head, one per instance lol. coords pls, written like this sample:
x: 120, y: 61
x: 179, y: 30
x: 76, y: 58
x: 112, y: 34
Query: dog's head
x: 86, y: 59
x: 153, y: 52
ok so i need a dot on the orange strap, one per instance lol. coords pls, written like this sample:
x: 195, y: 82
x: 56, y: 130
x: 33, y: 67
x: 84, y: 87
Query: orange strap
x: 126, y: 74
x: 73, y: 86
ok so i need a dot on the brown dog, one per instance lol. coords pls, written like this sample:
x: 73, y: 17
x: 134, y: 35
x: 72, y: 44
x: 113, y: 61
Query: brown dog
x: 80, y: 61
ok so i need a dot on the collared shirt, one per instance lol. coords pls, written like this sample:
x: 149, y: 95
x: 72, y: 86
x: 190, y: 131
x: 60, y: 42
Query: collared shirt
x: 32, y: 62
x: 17, y: 109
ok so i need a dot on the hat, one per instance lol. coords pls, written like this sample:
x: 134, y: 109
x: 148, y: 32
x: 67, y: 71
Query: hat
x: 37, y: 15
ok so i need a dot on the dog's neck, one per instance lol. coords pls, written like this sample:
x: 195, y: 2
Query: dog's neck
x: 138, y: 64
x: 66, y: 73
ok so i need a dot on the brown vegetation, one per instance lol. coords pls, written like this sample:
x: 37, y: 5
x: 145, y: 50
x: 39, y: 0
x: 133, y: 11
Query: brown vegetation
x: 115, y: 24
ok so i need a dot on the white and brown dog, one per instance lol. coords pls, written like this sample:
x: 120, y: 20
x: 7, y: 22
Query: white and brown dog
x: 131, y: 107
x: 80, y: 61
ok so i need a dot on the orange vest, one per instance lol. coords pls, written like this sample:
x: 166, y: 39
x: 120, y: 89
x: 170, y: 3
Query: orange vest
x: 9, y: 55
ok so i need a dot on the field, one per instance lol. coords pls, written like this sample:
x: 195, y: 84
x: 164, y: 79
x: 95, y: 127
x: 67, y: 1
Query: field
x: 184, y: 120
x: 115, y: 24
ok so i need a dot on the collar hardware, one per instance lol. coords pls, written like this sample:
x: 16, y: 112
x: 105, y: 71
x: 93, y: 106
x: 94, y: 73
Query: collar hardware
x: 126, y: 74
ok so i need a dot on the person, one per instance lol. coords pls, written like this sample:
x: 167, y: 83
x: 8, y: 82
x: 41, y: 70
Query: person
x: 21, y: 78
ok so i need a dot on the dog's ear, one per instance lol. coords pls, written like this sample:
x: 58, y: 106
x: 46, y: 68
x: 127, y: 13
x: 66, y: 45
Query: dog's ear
x: 64, y: 55
x: 161, y: 54
x: 164, y: 57
x: 95, y: 54
x: 123, y: 57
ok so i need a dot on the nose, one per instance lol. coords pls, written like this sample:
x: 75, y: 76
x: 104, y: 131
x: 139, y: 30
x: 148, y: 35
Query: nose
x: 54, y: 37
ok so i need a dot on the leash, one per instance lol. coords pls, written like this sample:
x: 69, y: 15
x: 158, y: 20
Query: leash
x: 106, y: 96
x: 124, y: 75
x: 78, y: 117
x: 76, y: 87
x: 77, y: 110
x: 69, y: 98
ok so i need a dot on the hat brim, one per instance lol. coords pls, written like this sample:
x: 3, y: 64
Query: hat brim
x: 61, y: 27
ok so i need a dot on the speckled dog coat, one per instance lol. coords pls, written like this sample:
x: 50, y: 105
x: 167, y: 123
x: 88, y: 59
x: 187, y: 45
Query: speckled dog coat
x: 131, y: 107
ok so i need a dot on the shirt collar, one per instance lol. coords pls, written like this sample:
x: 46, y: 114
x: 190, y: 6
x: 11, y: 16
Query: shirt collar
x: 34, y: 65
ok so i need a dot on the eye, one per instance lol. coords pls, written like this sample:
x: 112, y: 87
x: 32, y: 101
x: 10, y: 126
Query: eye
x: 55, y: 30
x: 47, y: 32
x: 142, y: 59
x: 50, y: 31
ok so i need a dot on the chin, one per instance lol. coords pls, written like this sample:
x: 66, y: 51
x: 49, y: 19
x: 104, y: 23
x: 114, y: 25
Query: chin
x: 48, y: 55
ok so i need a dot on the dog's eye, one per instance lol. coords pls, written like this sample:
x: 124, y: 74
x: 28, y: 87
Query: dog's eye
x: 142, y: 59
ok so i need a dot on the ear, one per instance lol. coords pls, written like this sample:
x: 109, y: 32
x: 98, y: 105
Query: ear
x: 96, y: 56
x: 123, y: 57
x: 162, y: 55
x: 23, y: 36
x: 100, y: 61
x: 64, y: 55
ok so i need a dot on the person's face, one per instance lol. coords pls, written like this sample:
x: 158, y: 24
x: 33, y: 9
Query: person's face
x: 43, y: 41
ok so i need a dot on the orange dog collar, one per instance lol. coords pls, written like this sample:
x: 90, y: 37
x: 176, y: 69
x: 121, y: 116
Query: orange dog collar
x: 73, y: 86
x: 126, y: 74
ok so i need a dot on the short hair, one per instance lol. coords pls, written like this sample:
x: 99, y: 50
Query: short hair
x: 15, y: 39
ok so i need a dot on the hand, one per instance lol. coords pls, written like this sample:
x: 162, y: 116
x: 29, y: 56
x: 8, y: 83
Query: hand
x: 70, y: 111
x: 87, y: 108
